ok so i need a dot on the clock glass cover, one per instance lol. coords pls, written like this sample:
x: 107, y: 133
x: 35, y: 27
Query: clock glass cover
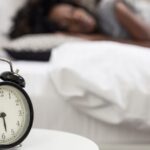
x: 15, y: 114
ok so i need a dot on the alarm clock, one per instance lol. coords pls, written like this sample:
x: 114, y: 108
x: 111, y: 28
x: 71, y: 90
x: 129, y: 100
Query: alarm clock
x: 16, y: 110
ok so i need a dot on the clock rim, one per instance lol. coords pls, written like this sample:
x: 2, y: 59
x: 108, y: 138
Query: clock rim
x: 20, y: 140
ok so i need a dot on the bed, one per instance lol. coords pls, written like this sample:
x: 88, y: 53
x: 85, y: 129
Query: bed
x: 60, y: 85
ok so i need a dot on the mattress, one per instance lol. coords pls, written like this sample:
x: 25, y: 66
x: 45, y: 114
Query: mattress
x: 51, y: 112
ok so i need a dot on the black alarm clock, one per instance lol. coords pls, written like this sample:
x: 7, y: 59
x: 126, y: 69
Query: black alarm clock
x: 16, y: 110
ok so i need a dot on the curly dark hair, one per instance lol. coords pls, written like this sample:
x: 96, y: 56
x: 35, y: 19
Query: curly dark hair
x: 32, y: 18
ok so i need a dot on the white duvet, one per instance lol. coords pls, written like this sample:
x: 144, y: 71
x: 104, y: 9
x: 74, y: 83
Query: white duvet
x: 106, y: 80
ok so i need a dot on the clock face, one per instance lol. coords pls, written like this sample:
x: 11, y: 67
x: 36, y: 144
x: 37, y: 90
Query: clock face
x: 15, y: 117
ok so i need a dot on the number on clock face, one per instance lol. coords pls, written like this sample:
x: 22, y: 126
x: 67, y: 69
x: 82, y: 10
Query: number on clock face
x: 14, y: 114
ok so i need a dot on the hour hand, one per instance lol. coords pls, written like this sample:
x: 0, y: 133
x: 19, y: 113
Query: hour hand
x: 3, y: 115
x: 5, y: 124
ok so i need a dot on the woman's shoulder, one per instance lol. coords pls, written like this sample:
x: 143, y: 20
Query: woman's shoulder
x: 105, y: 8
x: 103, y: 4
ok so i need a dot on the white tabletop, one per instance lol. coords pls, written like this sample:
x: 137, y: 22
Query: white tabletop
x: 40, y: 139
x: 125, y: 147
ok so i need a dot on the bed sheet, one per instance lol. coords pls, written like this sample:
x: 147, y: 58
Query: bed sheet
x: 52, y: 112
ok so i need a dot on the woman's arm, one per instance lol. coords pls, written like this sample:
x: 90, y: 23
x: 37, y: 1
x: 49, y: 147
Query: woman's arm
x: 100, y: 37
x: 132, y: 22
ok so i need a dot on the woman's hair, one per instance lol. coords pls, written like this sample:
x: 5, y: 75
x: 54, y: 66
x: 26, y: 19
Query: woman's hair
x: 32, y: 18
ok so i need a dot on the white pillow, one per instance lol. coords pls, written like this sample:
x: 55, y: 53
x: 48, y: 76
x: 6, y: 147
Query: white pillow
x: 36, y: 46
x: 37, y: 42
x: 106, y: 80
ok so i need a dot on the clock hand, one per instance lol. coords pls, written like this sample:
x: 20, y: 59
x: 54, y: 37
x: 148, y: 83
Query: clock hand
x: 3, y: 115
x: 5, y: 124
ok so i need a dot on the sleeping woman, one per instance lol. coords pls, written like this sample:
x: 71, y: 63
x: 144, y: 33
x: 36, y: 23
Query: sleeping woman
x: 114, y: 20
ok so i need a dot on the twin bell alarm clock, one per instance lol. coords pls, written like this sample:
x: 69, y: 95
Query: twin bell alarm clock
x: 16, y: 111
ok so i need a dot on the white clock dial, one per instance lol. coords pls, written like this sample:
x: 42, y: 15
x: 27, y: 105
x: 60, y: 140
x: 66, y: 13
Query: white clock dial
x: 14, y: 114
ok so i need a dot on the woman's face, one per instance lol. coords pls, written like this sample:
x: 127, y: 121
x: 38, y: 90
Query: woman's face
x: 72, y: 19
